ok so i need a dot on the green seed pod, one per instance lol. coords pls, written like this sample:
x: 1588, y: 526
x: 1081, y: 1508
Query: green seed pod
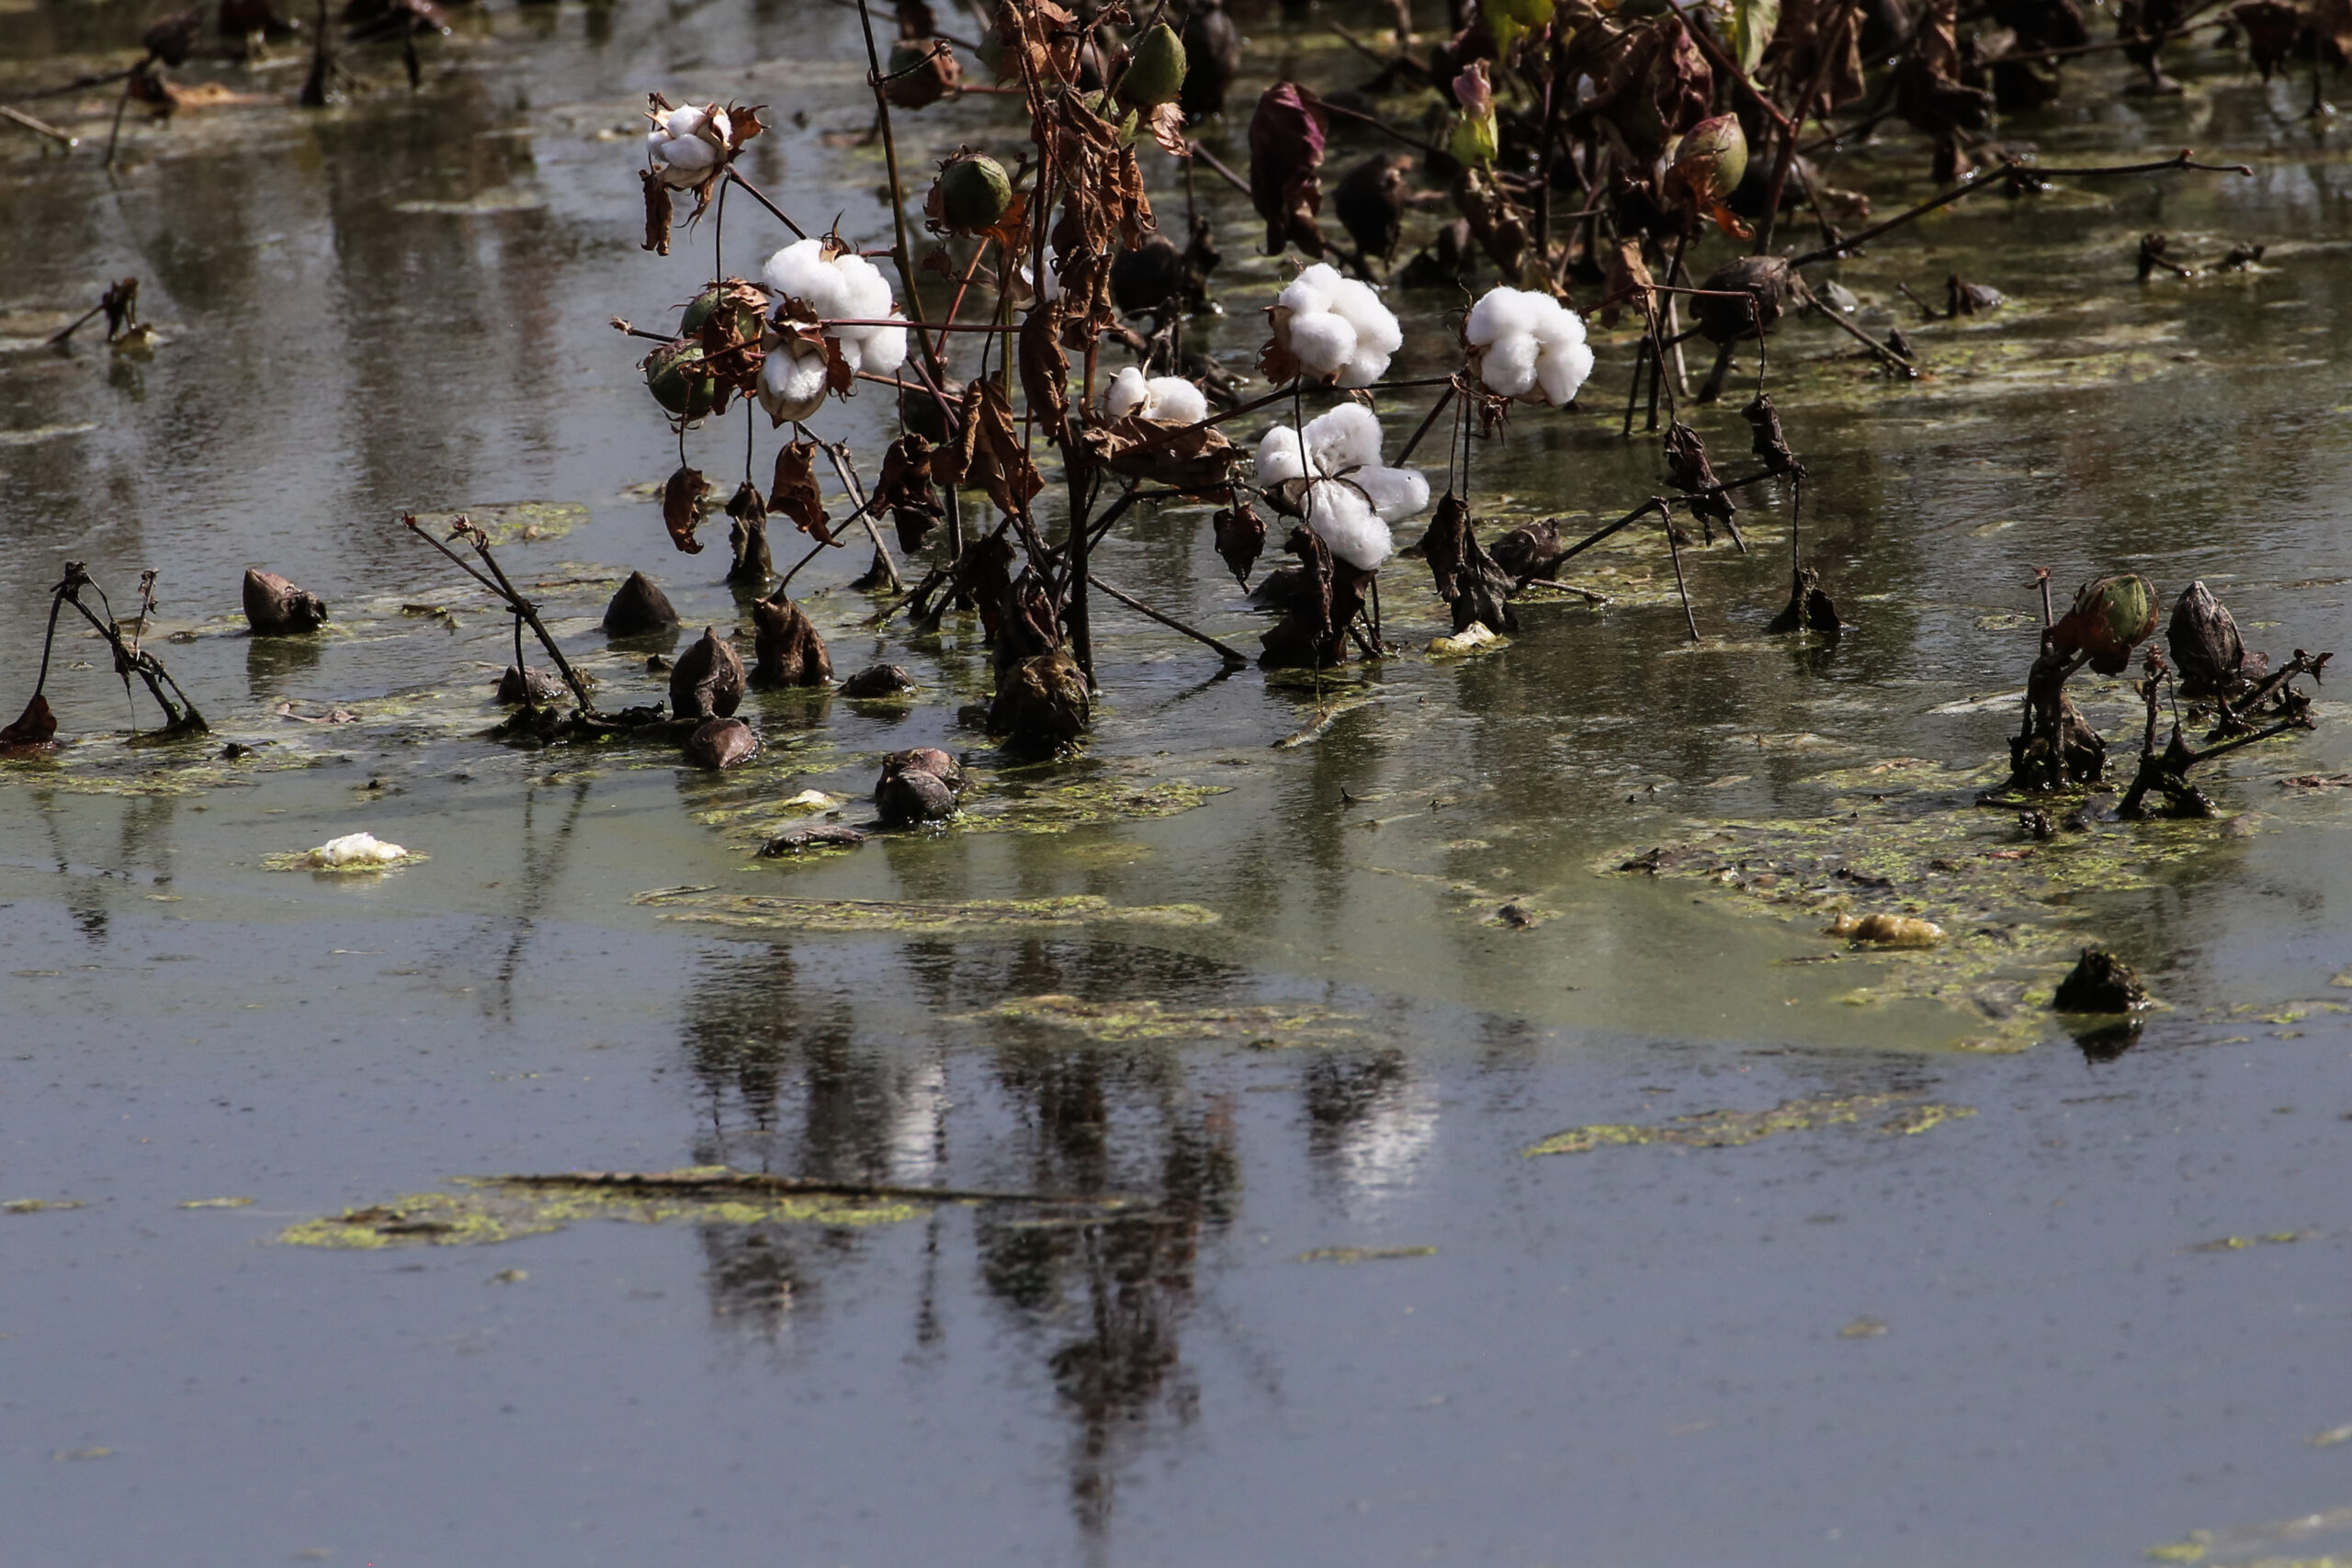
x: 1156, y: 71
x: 698, y: 309
x: 1712, y: 158
x: 674, y: 374
x: 971, y: 193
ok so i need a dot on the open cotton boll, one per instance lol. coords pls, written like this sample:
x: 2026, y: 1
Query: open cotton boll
x: 1128, y: 394
x: 1562, y: 369
x: 801, y: 272
x: 792, y: 381
x: 1336, y: 327
x: 886, y: 349
x: 1176, y: 401
x: 1346, y: 437
x: 356, y: 849
x: 1508, y: 365
x: 1525, y: 345
x: 1344, y: 519
x: 683, y: 157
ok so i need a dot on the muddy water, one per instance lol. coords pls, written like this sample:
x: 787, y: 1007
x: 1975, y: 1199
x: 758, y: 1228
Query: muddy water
x: 1921, y: 1279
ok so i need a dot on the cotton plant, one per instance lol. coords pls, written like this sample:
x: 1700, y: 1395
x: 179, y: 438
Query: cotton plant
x: 1171, y: 400
x: 816, y: 288
x: 1527, y: 345
x: 1335, y: 328
x: 1348, y: 497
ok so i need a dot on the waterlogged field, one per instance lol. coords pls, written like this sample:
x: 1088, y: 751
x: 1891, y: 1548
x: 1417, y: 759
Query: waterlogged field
x: 1431, y: 1109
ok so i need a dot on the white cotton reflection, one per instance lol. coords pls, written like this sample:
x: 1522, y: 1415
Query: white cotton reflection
x: 917, y: 1124
x: 1383, y: 1152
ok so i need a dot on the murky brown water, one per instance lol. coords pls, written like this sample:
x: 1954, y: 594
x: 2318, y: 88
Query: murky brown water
x: 1298, y: 1029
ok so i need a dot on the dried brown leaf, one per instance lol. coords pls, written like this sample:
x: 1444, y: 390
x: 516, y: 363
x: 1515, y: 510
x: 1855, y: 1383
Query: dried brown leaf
x: 683, y: 500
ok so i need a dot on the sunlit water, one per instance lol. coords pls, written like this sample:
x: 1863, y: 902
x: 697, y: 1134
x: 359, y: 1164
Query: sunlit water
x: 1986, y: 1340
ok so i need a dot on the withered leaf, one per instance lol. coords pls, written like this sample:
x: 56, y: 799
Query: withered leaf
x: 1194, y: 458
x: 743, y: 123
x: 1286, y: 139
x: 794, y: 492
x: 1167, y: 126
x: 1045, y: 369
x: 683, y: 500
x: 988, y: 451
x: 657, y: 213
x: 1695, y: 476
x: 1240, y: 538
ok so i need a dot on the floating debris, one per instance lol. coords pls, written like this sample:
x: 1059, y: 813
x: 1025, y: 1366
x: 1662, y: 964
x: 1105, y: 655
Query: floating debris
x: 853, y: 915
x: 1731, y: 1129
x: 355, y: 851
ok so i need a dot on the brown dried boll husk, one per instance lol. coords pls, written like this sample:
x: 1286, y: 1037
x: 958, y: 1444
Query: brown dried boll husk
x: 906, y: 798
x: 2100, y: 982
x: 2206, y: 647
x: 1155, y: 275
x: 1041, y: 703
x: 878, y: 680
x: 638, y: 607
x: 1766, y: 278
x: 941, y: 765
x: 722, y: 743
x: 529, y: 684
x: 1370, y: 199
x: 708, y: 679
x: 274, y: 607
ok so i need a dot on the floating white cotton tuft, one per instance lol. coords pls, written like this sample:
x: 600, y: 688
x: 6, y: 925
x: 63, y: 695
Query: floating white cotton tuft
x: 1336, y: 327
x: 356, y: 849
x: 1527, y: 345
x: 681, y: 143
x: 1171, y: 399
x: 1352, y: 497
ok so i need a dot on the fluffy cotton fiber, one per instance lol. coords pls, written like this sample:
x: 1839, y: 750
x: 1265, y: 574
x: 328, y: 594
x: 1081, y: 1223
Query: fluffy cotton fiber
x: 678, y: 146
x: 1527, y: 345
x: 1168, y: 398
x: 1351, y: 498
x: 356, y: 849
x: 845, y: 287
x: 1336, y: 327
x: 792, y: 378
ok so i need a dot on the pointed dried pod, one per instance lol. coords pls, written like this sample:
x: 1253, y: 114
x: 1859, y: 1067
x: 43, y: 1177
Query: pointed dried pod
x: 35, y: 728
x: 1240, y: 538
x: 1370, y: 199
x: 1771, y: 442
x: 786, y: 647
x: 722, y: 743
x: 2100, y: 981
x: 1765, y: 280
x: 274, y: 607
x: 708, y: 679
x: 638, y: 607
x: 2206, y: 647
x: 1529, y: 551
x: 1041, y: 703
x: 921, y: 72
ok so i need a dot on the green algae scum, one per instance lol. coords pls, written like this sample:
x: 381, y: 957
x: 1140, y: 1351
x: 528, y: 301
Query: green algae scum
x: 1340, y: 883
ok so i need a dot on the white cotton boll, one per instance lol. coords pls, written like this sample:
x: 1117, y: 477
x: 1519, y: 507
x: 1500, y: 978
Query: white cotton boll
x: 1309, y: 293
x: 798, y: 272
x: 1503, y: 311
x: 684, y: 161
x: 1394, y: 492
x: 1345, y: 521
x: 1364, y: 367
x: 1177, y: 400
x: 1323, y: 344
x: 1279, y: 458
x: 1562, y: 370
x: 1129, y: 393
x: 792, y: 381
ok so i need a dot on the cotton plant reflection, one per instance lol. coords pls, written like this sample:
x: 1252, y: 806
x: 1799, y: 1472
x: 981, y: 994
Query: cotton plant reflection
x: 1371, y: 1119
x: 801, y: 1069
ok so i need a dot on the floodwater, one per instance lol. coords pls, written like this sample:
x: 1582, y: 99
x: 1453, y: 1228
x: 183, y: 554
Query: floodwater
x: 1955, y: 1304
